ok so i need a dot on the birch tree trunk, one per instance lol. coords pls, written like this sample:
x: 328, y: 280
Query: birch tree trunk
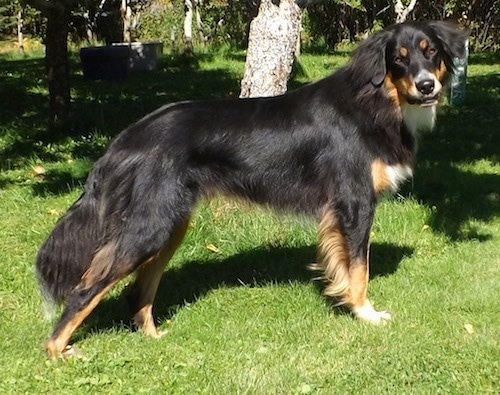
x: 199, y: 22
x: 188, y: 27
x: 88, y: 27
x: 20, y: 36
x: 271, y: 48
x: 402, y: 12
x: 126, y: 12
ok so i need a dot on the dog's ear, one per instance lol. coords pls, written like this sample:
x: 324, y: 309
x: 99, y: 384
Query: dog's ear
x: 369, y: 58
x: 451, y: 38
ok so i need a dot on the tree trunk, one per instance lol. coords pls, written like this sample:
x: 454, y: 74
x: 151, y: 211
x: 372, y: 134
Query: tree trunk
x: 126, y: 13
x: 56, y: 63
x: 20, y: 36
x: 271, y: 47
x: 188, y: 27
x: 402, y: 12
x: 88, y: 27
x: 199, y: 22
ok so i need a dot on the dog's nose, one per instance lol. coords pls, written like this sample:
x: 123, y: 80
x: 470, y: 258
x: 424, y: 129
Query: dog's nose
x: 425, y: 86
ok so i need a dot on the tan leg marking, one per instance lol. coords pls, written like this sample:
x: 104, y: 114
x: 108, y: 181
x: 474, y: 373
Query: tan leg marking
x: 358, y: 283
x: 100, y: 267
x: 144, y: 320
x: 333, y: 258
x: 347, y: 280
x: 358, y: 301
x: 148, y: 278
x: 56, y: 345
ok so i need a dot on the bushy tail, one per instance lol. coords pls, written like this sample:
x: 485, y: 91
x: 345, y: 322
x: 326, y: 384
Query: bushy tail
x: 69, y: 249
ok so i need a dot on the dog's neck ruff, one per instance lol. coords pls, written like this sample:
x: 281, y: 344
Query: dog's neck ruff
x: 417, y: 118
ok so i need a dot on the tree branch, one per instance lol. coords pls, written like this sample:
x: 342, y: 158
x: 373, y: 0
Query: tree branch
x: 402, y: 11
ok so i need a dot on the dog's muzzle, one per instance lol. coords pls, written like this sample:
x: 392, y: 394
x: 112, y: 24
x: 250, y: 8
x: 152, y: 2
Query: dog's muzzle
x: 427, y: 89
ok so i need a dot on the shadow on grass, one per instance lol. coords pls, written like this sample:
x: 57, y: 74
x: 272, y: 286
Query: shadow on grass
x: 453, y: 172
x: 99, y: 107
x: 485, y: 58
x: 191, y: 281
x: 59, y: 181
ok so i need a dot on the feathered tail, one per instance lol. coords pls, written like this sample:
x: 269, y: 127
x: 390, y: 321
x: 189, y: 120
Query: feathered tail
x: 68, y: 251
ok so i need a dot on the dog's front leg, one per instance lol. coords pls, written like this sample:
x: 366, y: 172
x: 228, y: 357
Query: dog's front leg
x: 356, y: 297
x: 344, y: 232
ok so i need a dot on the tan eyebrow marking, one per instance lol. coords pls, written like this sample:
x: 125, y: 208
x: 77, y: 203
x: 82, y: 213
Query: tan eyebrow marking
x: 424, y: 44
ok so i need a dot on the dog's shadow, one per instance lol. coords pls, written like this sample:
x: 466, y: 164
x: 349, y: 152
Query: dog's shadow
x: 191, y: 281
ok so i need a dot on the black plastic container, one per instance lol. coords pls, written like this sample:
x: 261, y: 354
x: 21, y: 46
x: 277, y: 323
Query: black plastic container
x: 105, y: 63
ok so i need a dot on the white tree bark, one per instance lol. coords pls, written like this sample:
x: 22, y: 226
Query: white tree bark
x: 402, y: 12
x: 188, y: 27
x: 126, y: 12
x: 271, y: 48
x: 90, y: 21
x: 199, y: 22
x: 88, y: 27
x: 20, y: 35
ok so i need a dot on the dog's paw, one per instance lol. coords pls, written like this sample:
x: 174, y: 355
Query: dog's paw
x: 368, y: 314
x: 72, y: 351
x: 152, y: 332
x: 159, y: 334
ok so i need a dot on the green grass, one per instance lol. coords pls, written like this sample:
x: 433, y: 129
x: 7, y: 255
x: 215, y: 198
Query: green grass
x: 245, y: 317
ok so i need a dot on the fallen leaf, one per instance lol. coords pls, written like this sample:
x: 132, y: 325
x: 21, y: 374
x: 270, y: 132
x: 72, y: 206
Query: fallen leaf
x: 38, y: 171
x: 469, y: 328
x: 212, y: 248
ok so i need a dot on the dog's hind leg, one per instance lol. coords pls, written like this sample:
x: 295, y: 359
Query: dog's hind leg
x: 107, y: 268
x: 95, y: 283
x: 144, y: 289
x: 139, y: 234
x: 343, y: 259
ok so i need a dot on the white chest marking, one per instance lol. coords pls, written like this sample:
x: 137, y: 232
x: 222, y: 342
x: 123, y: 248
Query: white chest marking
x: 417, y: 118
x: 397, y: 174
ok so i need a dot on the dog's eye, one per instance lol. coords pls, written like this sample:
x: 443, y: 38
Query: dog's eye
x: 399, y: 60
x: 431, y: 51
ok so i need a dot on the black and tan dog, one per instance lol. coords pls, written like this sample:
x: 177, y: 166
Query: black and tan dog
x: 325, y: 150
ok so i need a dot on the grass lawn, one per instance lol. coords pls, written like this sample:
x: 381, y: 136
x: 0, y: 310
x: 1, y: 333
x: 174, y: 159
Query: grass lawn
x: 242, y: 314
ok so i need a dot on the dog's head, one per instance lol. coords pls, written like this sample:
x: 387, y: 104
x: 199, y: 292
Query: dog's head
x: 412, y: 60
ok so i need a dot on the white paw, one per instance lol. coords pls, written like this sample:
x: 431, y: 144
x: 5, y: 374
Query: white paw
x: 367, y: 313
